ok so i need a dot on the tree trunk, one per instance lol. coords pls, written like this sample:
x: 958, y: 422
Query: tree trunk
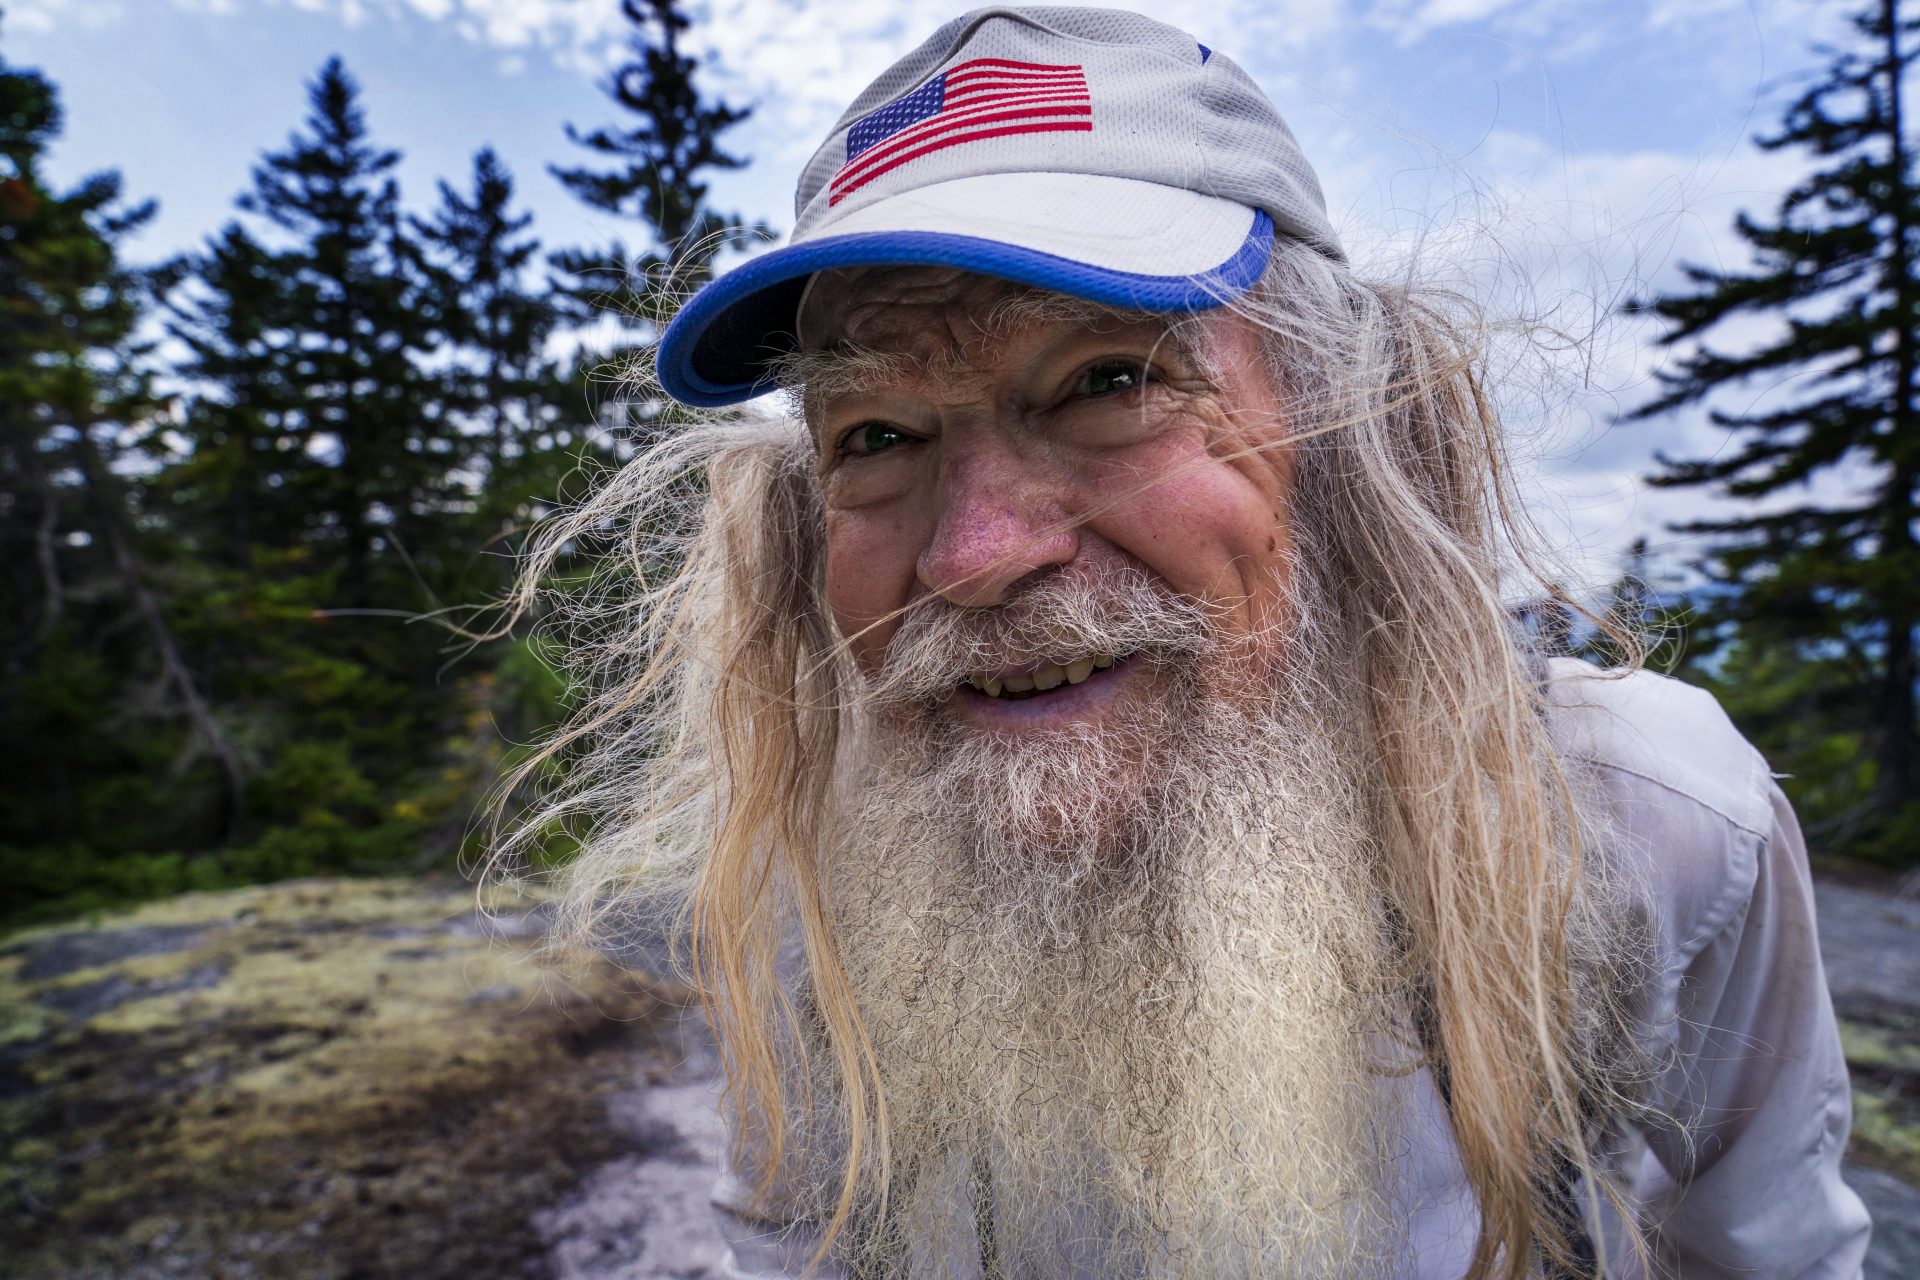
x: 33, y: 630
x: 1896, y: 776
x: 104, y: 501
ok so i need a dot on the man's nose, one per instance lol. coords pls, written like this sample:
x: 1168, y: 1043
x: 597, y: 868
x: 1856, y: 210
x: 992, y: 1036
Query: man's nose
x: 998, y: 518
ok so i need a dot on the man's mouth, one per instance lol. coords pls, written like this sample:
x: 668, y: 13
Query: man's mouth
x: 1044, y: 678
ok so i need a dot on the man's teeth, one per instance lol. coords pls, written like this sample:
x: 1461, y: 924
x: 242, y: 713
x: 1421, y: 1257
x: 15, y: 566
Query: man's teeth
x: 1051, y: 676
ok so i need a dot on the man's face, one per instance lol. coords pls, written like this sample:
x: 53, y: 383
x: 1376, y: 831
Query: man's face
x: 984, y: 458
x: 1121, y: 934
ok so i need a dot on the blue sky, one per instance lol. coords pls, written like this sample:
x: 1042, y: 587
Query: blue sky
x: 1551, y: 156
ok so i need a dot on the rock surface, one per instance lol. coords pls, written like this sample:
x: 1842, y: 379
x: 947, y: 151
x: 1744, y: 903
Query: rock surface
x: 347, y: 1080
x: 320, y: 1080
x: 1870, y: 943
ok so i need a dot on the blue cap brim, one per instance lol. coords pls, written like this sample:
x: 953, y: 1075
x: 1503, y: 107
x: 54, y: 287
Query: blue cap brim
x: 717, y: 349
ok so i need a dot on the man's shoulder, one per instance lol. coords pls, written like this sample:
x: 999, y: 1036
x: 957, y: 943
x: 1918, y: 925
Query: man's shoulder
x: 1641, y: 730
x: 1684, y: 802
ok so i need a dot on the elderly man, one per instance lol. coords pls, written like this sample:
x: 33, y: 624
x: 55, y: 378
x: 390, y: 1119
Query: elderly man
x: 1121, y: 832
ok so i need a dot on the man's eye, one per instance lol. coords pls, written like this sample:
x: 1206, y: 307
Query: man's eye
x: 872, y: 437
x: 1110, y: 376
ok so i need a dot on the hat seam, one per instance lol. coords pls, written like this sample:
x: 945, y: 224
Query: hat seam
x: 986, y: 16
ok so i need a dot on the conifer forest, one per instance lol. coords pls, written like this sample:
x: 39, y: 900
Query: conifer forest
x: 255, y: 500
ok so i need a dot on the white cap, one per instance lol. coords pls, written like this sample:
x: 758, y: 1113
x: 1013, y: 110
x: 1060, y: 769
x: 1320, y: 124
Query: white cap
x: 1093, y: 152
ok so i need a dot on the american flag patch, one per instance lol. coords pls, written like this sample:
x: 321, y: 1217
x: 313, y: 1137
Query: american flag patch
x: 976, y: 100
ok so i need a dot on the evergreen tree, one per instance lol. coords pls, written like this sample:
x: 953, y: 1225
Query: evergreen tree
x: 245, y: 425
x: 42, y: 234
x: 325, y: 487
x: 660, y: 167
x: 1654, y: 622
x: 502, y: 378
x: 505, y: 383
x: 1835, y: 585
x: 310, y: 336
x: 506, y: 335
x: 660, y: 163
x: 356, y: 329
x: 103, y: 718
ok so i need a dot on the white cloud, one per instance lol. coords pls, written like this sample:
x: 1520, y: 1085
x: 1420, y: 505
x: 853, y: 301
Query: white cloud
x: 1583, y: 235
x: 1411, y: 20
x: 578, y: 32
x: 38, y: 17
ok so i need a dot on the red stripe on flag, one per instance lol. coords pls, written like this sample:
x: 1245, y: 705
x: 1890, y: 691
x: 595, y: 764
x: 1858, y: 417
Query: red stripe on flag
x: 988, y: 100
x: 1054, y: 126
x: 988, y: 90
x: 1019, y: 108
x: 968, y: 96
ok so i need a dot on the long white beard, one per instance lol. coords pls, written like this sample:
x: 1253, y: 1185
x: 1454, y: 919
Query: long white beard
x: 1141, y: 1020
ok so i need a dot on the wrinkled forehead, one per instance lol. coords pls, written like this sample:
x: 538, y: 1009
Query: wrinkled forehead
x: 863, y: 326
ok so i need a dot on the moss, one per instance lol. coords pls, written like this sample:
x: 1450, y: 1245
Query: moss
x: 21, y: 1022
x: 1886, y: 1133
x: 330, y: 1079
x: 1891, y: 1044
x: 1883, y: 1056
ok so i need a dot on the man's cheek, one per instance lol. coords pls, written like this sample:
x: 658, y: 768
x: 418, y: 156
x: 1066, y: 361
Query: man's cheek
x: 864, y: 600
x: 864, y: 630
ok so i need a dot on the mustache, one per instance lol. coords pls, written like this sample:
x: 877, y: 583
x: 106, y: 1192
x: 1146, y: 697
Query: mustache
x: 1060, y: 616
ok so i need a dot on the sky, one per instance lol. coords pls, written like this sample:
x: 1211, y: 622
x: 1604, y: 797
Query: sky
x: 1551, y: 158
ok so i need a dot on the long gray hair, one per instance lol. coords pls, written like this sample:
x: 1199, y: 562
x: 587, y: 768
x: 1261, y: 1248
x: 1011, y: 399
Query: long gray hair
x: 715, y: 693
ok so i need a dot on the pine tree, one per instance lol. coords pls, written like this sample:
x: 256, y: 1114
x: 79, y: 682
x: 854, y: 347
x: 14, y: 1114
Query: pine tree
x: 312, y: 330
x: 245, y: 424
x: 504, y: 383
x: 358, y: 332
x: 1652, y: 620
x: 326, y: 488
x: 1837, y: 583
x: 502, y: 375
x: 659, y: 178
x: 661, y: 163
x: 39, y: 229
x: 105, y: 721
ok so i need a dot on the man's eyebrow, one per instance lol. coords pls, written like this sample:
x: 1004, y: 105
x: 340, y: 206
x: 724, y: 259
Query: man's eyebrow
x: 841, y: 369
x: 847, y: 368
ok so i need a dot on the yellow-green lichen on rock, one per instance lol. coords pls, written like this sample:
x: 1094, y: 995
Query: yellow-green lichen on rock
x: 318, y: 1079
x: 1883, y: 1058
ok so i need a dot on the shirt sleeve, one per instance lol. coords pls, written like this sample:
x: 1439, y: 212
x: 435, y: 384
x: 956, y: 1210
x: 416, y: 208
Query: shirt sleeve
x: 1749, y: 1184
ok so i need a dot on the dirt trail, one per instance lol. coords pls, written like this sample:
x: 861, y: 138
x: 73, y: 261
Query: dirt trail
x: 645, y: 1216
